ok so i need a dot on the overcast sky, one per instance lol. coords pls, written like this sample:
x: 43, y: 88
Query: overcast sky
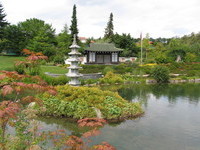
x: 159, y: 18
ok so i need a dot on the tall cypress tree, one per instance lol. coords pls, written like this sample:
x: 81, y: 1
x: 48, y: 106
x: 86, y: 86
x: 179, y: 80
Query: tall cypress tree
x: 73, y: 27
x: 109, y: 29
x: 3, y: 22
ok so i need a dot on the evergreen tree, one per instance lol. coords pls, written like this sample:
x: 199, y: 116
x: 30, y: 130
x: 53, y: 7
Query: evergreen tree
x: 3, y: 22
x: 73, y: 27
x: 63, y: 42
x: 109, y: 29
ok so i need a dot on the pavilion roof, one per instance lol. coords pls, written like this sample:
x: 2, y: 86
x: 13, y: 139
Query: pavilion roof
x: 102, y: 47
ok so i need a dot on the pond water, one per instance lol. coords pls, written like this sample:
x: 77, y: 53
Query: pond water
x: 171, y: 120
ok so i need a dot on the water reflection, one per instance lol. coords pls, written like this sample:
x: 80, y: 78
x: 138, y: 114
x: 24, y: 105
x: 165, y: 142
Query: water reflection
x: 171, y: 119
x: 171, y: 91
x: 52, y: 124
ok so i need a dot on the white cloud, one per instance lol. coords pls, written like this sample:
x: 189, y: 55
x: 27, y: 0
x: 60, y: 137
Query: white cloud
x: 159, y: 18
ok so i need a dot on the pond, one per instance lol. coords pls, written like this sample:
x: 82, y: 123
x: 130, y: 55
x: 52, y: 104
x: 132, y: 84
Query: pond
x: 171, y: 120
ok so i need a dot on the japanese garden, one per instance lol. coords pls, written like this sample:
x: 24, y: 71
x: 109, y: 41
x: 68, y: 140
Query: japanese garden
x: 61, y: 91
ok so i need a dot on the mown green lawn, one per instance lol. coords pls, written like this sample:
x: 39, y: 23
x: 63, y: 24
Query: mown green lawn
x: 7, y: 63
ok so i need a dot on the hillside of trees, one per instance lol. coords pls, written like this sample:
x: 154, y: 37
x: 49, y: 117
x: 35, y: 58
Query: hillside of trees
x: 39, y: 36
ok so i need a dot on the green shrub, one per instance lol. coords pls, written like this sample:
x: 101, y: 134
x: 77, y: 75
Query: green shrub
x: 123, y: 68
x: 20, y: 68
x: 174, y: 66
x: 146, y: 69
x: 88, y: 81
x: 111, y: 78
x: 92, y: 68
x: 58, y: 59
x: 34, y: 70
x: 162, y: 60
x: 107, y: 69
x: 160, y: 74
x: 43, y: 62
x: 192, y: 73
x: 79, y: 102
x: 60, y: 80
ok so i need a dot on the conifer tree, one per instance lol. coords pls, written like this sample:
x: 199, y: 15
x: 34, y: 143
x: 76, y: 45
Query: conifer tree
x: 3, y: 22
x: 109, y: 29
x: 73, y: 27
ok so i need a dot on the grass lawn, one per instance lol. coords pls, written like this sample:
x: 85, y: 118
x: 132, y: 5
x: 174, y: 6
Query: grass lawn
x: 7, y: 63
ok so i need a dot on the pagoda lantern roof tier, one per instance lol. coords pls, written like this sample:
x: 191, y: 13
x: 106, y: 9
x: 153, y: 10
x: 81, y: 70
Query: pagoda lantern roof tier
x: 73, y: 60
x: 74, y: 53
x: 74, y: 75
x: 74, y: 46
x: 74, y: 67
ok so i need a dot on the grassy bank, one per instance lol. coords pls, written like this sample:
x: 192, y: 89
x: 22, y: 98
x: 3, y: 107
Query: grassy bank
x: 7, y: 63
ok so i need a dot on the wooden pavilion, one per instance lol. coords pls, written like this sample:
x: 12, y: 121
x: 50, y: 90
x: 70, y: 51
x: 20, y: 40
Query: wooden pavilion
x: 102, y: 53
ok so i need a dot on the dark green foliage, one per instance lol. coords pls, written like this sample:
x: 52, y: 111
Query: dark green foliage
x: 109, y: 29
x: 40, y: 36
x: 3, y: 22
x: 73, y: 27
x: 160, y: 74
x: 41, y: 43
x: 162, y: 59
x: 127, y: 43
x: 63, y: 42
x: 120, y: 69
x: 191, y: 57
x: 20, y: 69
x: 61, y: 80
x: 34, y: 27
x: 107, y: 69
x: 177, y: 52
x: 59, y: 59
x: 193, y: 73
x: 123, y: 68
x: 92, y: 68
x: 175, y: 65
x: 14, y: 39
x: 88, y: 81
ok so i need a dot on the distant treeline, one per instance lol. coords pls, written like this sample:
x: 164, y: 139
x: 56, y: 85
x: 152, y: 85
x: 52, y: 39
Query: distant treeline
x: 38, y: 36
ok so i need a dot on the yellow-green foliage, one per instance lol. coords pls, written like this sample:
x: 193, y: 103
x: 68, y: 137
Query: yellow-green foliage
x: 111, y: 78
x: 79, y: 102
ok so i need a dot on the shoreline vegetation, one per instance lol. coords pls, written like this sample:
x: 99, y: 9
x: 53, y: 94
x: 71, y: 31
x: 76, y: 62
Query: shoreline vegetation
x: 80, y: 102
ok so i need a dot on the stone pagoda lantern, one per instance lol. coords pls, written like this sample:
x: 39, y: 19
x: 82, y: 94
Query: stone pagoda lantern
x: 74, y: 66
